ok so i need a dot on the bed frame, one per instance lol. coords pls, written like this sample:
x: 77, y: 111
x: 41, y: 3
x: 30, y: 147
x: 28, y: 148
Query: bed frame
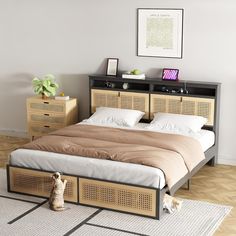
x: 150, y: 96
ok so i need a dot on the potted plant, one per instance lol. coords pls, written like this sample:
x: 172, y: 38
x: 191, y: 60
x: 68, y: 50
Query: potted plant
x: 46, y: 86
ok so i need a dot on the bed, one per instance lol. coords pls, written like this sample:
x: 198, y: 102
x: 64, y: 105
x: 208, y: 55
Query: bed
x: 102, y: 183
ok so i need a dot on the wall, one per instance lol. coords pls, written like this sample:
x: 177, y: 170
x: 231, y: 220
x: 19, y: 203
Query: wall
x: 72, y: 39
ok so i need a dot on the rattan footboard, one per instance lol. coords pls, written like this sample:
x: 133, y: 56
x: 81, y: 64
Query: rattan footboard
x: 139, y: 200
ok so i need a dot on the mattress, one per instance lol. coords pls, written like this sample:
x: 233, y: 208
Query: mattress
x: 101, y: 169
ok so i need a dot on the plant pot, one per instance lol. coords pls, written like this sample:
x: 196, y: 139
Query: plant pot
x: 44, y: 96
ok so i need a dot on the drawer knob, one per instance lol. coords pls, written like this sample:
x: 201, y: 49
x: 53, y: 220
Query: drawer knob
x: 46, y: 102
x: 46, y: 114
x: 46, y: 126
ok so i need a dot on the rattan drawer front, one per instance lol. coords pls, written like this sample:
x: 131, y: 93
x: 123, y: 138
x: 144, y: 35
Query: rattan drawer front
x: 40, y: 183
x: 183, y: 105
x: 120, y: 197
x: 47, y: 117
x: 46, y: 106
x: 38, y: 129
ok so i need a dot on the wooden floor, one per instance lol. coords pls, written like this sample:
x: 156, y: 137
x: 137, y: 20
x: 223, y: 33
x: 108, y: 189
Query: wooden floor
x: 7, y: 145
x: 212, y: 184
x: 218, y: 185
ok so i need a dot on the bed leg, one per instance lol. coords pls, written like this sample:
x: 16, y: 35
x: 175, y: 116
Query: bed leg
x: 188, y: 184
x: 212, y: 162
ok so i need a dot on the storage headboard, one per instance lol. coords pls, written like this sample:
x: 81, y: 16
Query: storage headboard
x: 155, y: 95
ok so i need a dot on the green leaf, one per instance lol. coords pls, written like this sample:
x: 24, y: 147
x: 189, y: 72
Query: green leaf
x: 47, y: 85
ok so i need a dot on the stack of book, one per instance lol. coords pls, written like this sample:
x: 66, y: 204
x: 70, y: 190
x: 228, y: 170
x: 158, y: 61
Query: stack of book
x: 62, y: 97
x: 131, y: 76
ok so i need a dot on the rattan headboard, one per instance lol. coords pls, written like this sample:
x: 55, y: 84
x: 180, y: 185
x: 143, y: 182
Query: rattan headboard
x: 152, y: 95
x: 157, y: 103
x: 183, y: 105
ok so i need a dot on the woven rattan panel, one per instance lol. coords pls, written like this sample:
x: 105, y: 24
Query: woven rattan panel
x: 135, y: 101
x: 116, y: 99
x: 40, y: 183
x: 120, y: 197
x: 103, y: 98
x: 183, y: 105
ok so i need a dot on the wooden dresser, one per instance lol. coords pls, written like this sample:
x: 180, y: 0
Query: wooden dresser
x: 45, y: 116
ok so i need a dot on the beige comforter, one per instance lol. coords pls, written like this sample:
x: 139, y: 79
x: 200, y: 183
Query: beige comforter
x: 176, y: 155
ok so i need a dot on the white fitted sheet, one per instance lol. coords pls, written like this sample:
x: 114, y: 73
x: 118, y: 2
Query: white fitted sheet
x: 101, y: 169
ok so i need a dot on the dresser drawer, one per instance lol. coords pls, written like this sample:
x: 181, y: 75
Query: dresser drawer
x: 46, y: 118
x: 46, y: 106
x: 39, y: 129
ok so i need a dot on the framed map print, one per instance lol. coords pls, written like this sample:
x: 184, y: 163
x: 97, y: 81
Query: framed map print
x: 160, y: 32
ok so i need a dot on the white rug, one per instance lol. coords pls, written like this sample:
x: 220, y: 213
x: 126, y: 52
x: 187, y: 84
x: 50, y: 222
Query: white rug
x: 22, y: 215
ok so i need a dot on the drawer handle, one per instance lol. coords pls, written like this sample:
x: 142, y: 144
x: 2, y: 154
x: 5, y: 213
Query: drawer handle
x: 46, y: 114
x: 46, y: 102
x: 46, y: 126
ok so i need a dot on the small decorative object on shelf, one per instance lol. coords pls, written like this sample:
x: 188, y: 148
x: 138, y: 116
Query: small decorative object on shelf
x: 133, y: 74
x: 125, y: 85
x: 46, y: 86
x: 109, y: 85
x: 112, y: 66
x: 170, y: 74
x: 62, y: 97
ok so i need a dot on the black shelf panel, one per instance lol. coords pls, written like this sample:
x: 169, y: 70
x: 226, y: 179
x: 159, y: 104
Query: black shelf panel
x: 182, y: 94
x: 118, y: 85
x: 121, y: 90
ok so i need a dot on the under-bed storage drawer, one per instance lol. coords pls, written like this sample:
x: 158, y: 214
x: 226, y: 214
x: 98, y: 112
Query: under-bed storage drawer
x: 119, y: 197
x: 39, y: 183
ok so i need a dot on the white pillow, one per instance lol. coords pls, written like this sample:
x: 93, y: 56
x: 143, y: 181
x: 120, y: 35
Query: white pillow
x: 177, y: 122
x: 116, y: 116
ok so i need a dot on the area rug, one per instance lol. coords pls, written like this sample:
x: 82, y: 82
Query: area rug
x: 24, y: 215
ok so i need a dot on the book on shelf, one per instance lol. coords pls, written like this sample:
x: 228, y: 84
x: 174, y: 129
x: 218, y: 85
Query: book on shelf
x: 62, y: 98
x: 131, y: 76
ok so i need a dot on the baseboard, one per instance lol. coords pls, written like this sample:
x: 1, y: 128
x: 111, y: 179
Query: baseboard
x: 226, y: 160
x: 14, y: 133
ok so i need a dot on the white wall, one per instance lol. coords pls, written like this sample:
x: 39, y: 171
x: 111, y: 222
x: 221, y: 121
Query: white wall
x: 72, y: 38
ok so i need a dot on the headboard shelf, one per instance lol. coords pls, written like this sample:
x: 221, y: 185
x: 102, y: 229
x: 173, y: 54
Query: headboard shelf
x: 183, y: 94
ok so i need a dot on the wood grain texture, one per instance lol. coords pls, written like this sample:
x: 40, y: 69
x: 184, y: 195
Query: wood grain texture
x: 211, y: 184
x: 216, y: 185
x: 7, y: 145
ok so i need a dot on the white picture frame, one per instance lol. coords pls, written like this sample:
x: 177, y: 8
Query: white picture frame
x: 160, y: 32
x: 112, y: 66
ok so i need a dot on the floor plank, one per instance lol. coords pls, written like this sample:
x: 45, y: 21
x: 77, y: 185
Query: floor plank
x: 218, y: 185
x: 7, y: 145
x: 213, y: 184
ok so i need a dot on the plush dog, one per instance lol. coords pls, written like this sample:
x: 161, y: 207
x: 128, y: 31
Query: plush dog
x: 171, y: 204
x: 56, y: 199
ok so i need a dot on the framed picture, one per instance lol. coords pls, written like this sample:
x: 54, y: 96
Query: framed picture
x: 112, y: 66
x: 170, y: 74
x: 160, y: 32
